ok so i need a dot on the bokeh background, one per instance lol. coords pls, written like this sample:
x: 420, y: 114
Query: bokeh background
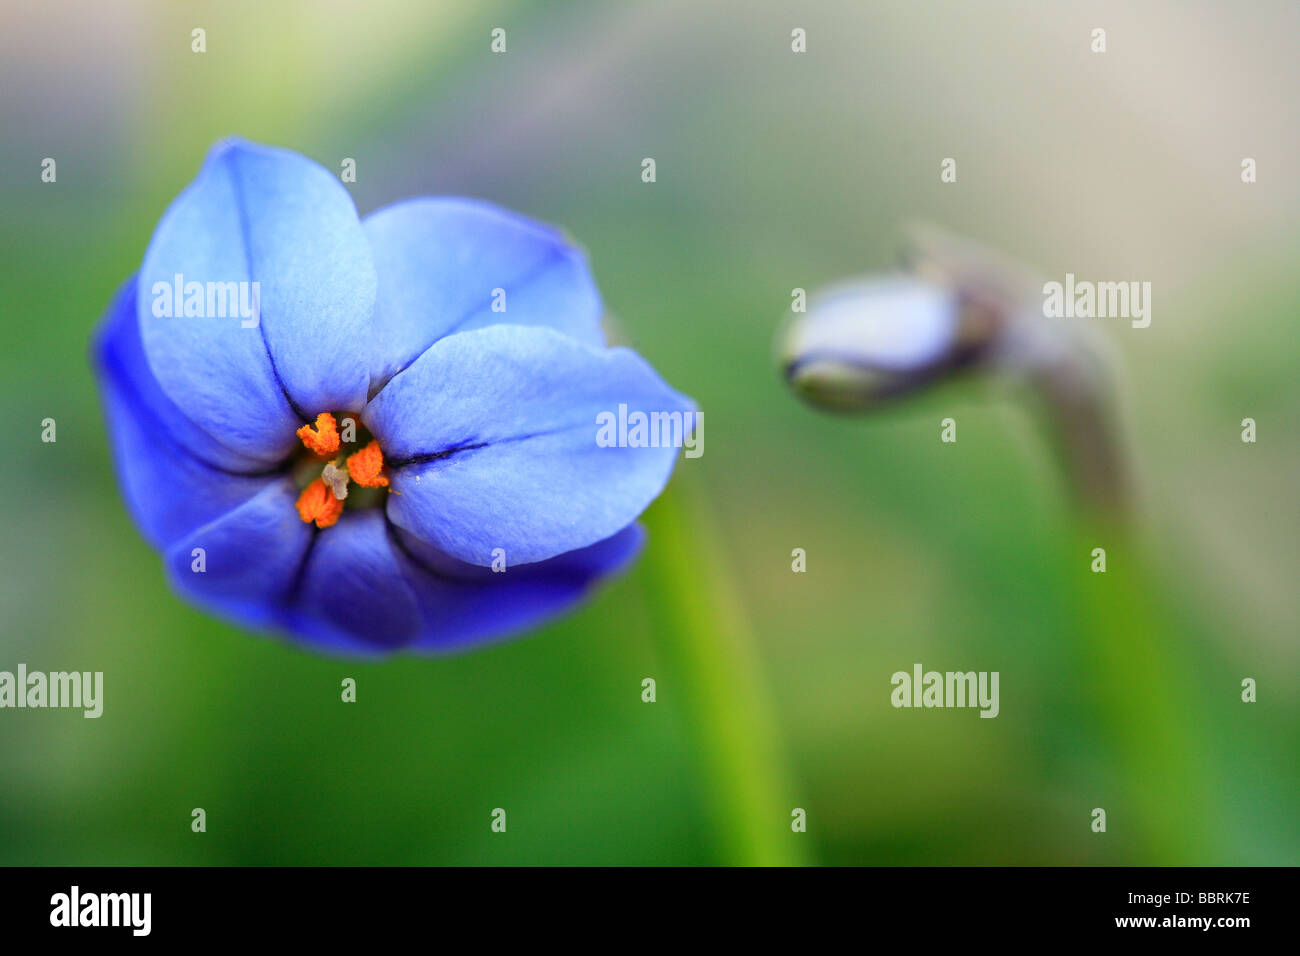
x: 775, y: 170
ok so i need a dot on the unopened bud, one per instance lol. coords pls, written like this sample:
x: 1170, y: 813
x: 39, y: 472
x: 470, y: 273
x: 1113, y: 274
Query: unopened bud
x: 868, y: 340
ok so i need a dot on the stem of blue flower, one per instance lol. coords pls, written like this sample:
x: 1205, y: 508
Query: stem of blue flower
x: 700, y: 629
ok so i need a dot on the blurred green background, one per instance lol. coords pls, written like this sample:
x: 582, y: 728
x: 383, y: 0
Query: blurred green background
x: 775, y: 170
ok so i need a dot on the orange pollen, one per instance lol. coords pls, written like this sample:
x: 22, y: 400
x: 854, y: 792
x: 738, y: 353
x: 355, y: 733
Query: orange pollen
x: 317, y: 503
x: 324, y: 441
x: 366, y: 467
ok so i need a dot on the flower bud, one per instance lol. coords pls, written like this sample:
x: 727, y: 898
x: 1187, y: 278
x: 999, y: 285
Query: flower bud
x: 867, y: 340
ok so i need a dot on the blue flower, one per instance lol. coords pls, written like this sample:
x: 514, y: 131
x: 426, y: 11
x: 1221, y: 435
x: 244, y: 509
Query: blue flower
x: 409, y: 406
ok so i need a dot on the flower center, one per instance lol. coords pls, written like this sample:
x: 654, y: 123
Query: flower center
x: 332, y: 459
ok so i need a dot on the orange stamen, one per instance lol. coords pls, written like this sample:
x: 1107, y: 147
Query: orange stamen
x: 324, y: 441
x: 366, y: 467
x: 317, y: 503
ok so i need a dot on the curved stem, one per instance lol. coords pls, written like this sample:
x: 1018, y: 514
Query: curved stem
x: 1137, y: 680
x: 1075, y: 392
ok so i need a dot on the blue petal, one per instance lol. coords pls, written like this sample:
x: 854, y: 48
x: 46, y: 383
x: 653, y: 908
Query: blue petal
x: 256, y: 214
x: 369, y: 589
x: 174, y: 477
x: 363, y: 587
x: 490, y: 437
x: 252, y: 558
x: 465, y: 605
x: 354, y: 595
x: 439, y: 262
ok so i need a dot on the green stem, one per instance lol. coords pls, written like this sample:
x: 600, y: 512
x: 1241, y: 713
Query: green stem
x: 1140, y: 687
x: 1147, y: 706
x: 712, y: 665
